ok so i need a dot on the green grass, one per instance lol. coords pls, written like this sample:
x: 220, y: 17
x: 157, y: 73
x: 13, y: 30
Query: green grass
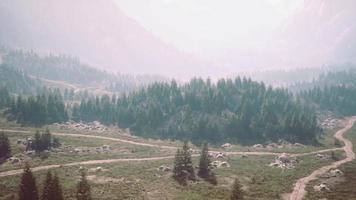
x: 120, y: 150
x: 142, y: 180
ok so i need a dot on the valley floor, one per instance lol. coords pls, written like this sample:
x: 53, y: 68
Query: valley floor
x: 131, y: 169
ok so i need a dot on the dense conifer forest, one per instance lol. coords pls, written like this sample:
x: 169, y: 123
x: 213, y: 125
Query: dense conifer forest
x: 38, y: 110
x: 238, y: 110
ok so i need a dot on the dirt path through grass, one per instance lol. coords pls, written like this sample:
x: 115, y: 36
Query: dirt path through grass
x: 299, y: 188
x: 93, y: 162
x: 170, y: 147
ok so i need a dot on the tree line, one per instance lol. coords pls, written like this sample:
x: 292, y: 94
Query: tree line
x: 340, y: 99
x: 38, y: 110
x: 238, y: 110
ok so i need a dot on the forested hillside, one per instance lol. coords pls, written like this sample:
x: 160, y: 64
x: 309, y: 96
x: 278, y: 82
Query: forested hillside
x: 71, y: 70
x: 16, y: 81
x: 344, y: 75
x: 237, y: 110
x: 334, y: 91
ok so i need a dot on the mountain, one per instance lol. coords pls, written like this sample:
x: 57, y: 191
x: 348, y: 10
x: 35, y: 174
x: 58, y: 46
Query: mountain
x: 96, y: 31
x: 319, y: 32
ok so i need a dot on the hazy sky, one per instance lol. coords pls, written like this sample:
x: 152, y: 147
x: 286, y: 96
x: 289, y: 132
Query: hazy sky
x: 210, y: 27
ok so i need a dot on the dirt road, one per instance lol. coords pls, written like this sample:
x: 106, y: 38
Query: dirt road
x: 299, y: 188
x: 169, y: 147
x: 90, y: 162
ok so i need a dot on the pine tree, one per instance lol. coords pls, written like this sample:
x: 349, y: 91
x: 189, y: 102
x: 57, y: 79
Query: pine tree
x: 204, y: 163
x: 83, y: 188
x: 47, y: 193
x: 5, y: 150
x: 52, y: 189
x: 37, y: 142
x: 187, y: 161
x: 57, y: 189
x: 236, y: 193
x: 28, y: 188
x: 178, y: 171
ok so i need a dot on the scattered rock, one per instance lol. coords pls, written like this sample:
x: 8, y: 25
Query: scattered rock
x: 14, y: 160
x: 77, y: 150
x: 335, y: 173
x: 321, y: 187
x: 30, y: 153
x: 164, y: 168
x: 272, y: 146
x: 94, y: 126
x: 321, y: 156
x: 284, y: 161
x: 257, y: 146
x: 218, y: 164
x: 226, y: 146
x: 298, y: 145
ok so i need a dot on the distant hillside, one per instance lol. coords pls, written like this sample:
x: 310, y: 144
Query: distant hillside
x: 60, y: 71
x: 96, y: 31
x: 16, y: 81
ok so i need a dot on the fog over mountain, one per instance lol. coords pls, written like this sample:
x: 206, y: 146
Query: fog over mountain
x: 102, y: 34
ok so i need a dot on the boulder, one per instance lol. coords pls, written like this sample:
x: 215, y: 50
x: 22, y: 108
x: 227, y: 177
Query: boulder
x: 164, y: 168
x: 218, y: 164
x: 298, y: 145
x: 226, y: 145
x: 77, y: 150
x: 257, y: 146
x: 220, y: 155
x: 14, y: 160
x: 98, y: 169
x: 321, y: 187
x: 335, y: 172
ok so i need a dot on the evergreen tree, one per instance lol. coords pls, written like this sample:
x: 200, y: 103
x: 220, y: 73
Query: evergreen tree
x: 28, y: 188
x: 5, y: 150
x: 57, y: 189
x: 236, y: 193
x: 37, y: 142
x: 178, y: 170
x: 204, y: 162
x: 204, y: 166
x: 83, y: 188
x: 187, y: 161
x: 48, y: 190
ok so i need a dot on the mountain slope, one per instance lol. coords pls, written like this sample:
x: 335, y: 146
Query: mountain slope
x: 96, y: 31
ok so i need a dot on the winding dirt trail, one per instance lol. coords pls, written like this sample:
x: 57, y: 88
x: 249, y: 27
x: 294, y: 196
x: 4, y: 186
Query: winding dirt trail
x: 93, y: 162
x: 299, y: 188
x: 170, y: 147
x: 90, y: 162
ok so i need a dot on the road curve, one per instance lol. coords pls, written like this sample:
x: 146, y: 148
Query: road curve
x: 299, y: 188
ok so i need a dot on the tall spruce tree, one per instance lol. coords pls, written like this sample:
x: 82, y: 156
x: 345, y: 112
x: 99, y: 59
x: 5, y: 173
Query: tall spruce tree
x: 47, y: 193
x: 178, y: 171
x: 5, y: 150
x: 204, y: 166
x: 57, y: 191
x: 236, y: 193
x: 187, y: 161
x: 83, y: 188
x: 204, y: 162
x: 28, y: 188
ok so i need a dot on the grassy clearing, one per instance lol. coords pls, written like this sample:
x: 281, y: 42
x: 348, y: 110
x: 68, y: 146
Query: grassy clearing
x: 120, y: 150
x: 142, y: 180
